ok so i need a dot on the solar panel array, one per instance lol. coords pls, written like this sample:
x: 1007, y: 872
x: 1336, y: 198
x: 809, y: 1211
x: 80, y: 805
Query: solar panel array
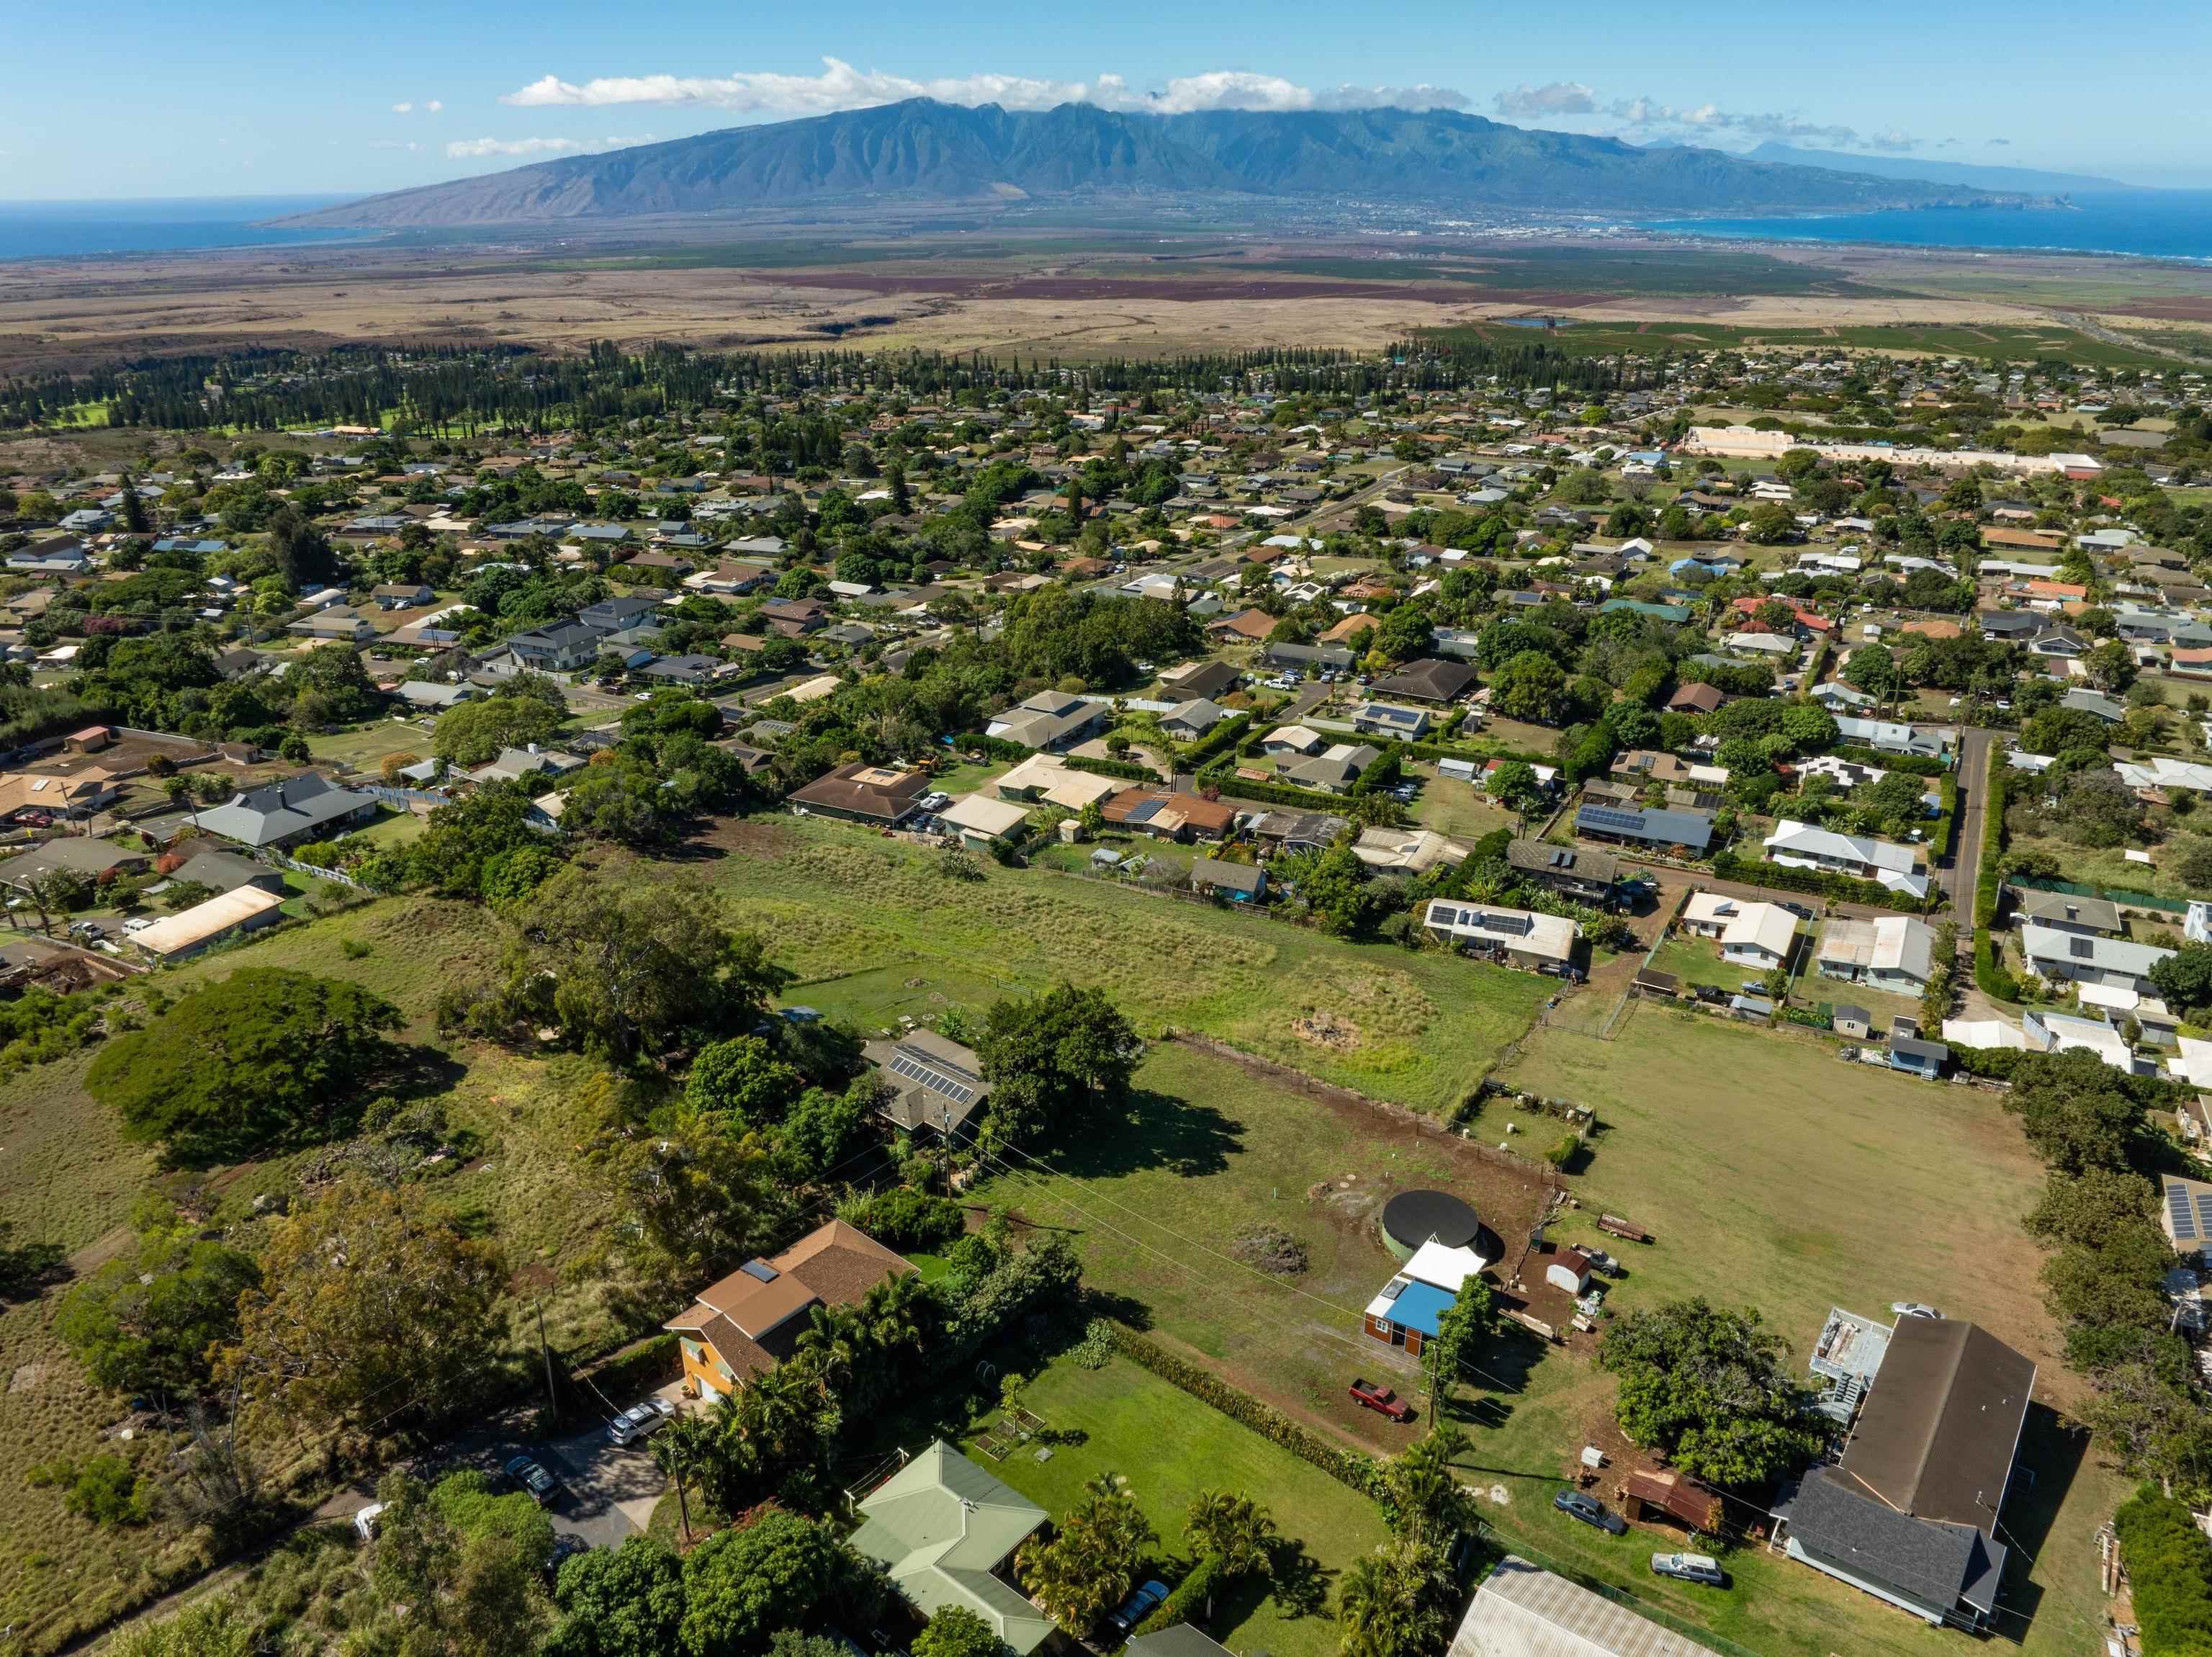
x: 2189, y: 1210
x: 1607, y: 817
x: 937, y: 1081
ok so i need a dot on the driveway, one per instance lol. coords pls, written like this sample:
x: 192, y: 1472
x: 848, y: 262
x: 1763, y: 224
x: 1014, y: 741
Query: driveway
x: 611, y: 1492
x: 1976, y: 754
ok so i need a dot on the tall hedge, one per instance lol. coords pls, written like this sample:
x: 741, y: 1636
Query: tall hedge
x: 1224, y: 735
x: 1989, y: 978
x: 1186, y: 1603
x: 2169, y: 1564
x: 1362, y: 1473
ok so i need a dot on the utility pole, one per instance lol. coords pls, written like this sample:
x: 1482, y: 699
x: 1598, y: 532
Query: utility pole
x: 552, y: 1401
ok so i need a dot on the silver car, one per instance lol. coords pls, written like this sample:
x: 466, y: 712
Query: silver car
x: 640, y: 1419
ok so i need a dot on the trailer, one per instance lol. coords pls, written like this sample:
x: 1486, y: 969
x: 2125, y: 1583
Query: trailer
x: 1613, y: 1226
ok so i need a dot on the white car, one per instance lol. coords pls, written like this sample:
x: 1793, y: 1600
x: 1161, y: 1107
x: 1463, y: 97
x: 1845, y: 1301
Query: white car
x: 639, y: 1420
x: 364, y: 1522
x: 137, y: 922
x: 935, y: 802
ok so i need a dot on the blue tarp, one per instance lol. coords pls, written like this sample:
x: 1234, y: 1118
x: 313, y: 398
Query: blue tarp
x: 1419, y: 1306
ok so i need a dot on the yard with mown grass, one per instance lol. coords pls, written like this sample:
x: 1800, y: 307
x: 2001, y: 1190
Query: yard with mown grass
x: 1170, y: 1447
x: 856, y: 916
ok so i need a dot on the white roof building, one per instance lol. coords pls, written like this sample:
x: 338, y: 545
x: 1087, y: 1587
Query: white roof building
x: 1983, y: 1033
x: 1800, y: 845
x: 979, y: 817
x: 1415, y: 850
x: 2059, y: 1033
x: 1510, y: 931
x: 1757, y: 935
x: 1523, y: 1611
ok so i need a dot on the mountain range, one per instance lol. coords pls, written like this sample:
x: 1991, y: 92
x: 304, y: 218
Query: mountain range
x: 2033, y: 180
x: 922, y: 150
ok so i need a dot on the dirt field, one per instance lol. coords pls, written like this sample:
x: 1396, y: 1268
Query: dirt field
x: 942, y: 293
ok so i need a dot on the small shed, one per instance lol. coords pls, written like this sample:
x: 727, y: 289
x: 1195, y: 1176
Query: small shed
x: 1918, y: 1057
x: 1569, y: 1268
x: 1238, y: 882
x: 1851, y: 1020
x: 1651, y: 982
x: 1675, y: 1496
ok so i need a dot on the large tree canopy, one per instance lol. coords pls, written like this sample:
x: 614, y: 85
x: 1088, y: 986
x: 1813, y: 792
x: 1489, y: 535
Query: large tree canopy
x: 263, y: 1055
x: 145, y: 1322
x: 1053, y: 1057
x: 1713, y: 1389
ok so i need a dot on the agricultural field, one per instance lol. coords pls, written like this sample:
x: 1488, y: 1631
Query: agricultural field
x: 858, y: 916
x: 1169, y: 1448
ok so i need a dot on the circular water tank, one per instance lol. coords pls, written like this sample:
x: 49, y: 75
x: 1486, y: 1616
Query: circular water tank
x: 1413, y: 1217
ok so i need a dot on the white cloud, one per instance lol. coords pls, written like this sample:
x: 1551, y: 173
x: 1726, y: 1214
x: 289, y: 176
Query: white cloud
x: 486, y: 149
x: 841, y: 87
x: 1558, y: 98
x: 403, y: 109
x: 434, y: 106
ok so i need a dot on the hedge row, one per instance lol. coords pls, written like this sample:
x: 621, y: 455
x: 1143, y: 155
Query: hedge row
x: 2169, y: 1564
x: 1362, y: 1473
x: 1992, y: 981
x: 1221, y: 737
x: 1187, y: 1603
x: 1946, y: 830
x: 1129, y: 770
x: 1841, y: 888
x: 651, y: 1362
x: 1910, y: 764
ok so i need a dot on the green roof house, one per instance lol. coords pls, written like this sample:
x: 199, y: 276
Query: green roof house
x: 941, y: 1526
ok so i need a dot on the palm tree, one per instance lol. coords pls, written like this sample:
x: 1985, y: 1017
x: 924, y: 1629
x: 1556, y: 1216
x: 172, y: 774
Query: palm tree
x: 1234, y: 1530
x: 1391, y: 1602
x: 680, y: 1449
x: 833, y: 1342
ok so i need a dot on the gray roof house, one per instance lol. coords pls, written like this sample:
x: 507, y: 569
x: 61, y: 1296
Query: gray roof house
x: 560, y: 647
x: 1048, y: 720
x: 1911, y: 1514
x: 226, y: 871
x: 2063, y: 912
x: 1634, y: 826
x: 283, y: 812
x: 936, y: 1083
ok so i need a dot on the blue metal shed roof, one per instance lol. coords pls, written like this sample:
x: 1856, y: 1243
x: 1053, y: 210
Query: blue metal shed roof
x: 1419, y: 1305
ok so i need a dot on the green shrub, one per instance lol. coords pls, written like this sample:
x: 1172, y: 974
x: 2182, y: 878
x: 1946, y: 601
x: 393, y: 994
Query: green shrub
x: 2169, y: 1564
x: 908, y: 1219
x: 1186, y: 1603
x: 106, y: 1489
x: 1565, y: 1151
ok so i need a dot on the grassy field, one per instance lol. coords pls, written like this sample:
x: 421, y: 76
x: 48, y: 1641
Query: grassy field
x: 1773, y: 1175
x: 67, y: 1177
x: 1170, y: 1447
x: 1211, y: 1151
x: 364, y: 747
x: 858, y: 915
x: 2105, y: 867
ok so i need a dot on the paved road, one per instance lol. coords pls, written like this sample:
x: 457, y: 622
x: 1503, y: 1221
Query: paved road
x: 1977, y: 753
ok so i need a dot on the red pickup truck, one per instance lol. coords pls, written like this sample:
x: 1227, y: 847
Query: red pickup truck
x: 1382, y: 1398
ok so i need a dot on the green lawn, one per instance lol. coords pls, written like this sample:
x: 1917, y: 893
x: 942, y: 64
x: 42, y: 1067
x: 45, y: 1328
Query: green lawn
x: 1170, y: 1447
x: 833, y: 900
x: 1774, y: 1175
x: 364, y: 747
x: 1210, y: 1152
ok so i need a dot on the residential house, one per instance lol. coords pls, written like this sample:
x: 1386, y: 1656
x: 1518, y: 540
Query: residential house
x: 232, y: 914
x: 334, y: 626
x: 1046, y: 778
x: 2089, y: 958
x: 1574, y: 872
x: 2184, y: 1214
x: 1695, y: 698
x: 2063, y: 912
x: 1169, y: 816
x: 1308, y: 658
x: 1408, y: 850
x: 942, y: 1529
x: 1912, y: 1512
x: 226, y: 871
x: 1889, y: 736
x: 1430, y: 679
x: 1918, y: 1057
x: 403, y: 596
x: 1386, y: 719
x: 560, y: 647
x: 1292, y: 740
x: 1520, y: 937
x: 80, y: 855
x: 1523, y: 1610
x: 1199, y: 679
x: 1758, y: 937
x: 747, y: 1324
x: 1048, y: 720
x: 936, y: 1084
x: 1246, y: 626
x: 1800, y: 845
x: 1299, y: 830
x: 982, y: 822
x: 620, y: 613
x: 309, y: 807
x: 2046, y: 1032
x: 1895, y: 953
x: 795, y: 617
x: 32, y: 795
x: 1333, y: 771
x: 1189, y: 720
x: 1240, y: 883
x: 1686, y: 831
x: 861, y: 793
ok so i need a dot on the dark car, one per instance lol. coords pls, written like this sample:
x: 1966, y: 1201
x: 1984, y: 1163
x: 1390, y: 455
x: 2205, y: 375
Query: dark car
x: 1139, y: 1605
x: 1588, y: 1509
x: 543, y: 1488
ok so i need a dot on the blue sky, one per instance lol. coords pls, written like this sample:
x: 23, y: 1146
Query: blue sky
x: 252, y: 97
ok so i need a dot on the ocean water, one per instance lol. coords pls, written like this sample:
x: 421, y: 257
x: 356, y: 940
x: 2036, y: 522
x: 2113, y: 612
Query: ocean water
x: 75, y: 230
x: 2147, y: 223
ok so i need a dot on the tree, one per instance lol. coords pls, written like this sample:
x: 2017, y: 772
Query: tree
x: 743, y: 1078
x: 473, y: 733
x: 1088, y: 1566
x: 702, y: 1195
x: 1532, y: 687
x: 459, y: 1571
x: 1873, y: 670
x: 632, y: 967
x: 1468, y: 1322
x: 145, y: 1323
x: 2075, y: 1113
x: 1065, y: 1053
x: 621, y: 1602
x: 263, y: 1055
x: 461, y: 838
x: 1335, y: 889
x: 1234, y: 1531
x: 779, y: 1573
x: 2184, y: 978
x: 217, y: 1626
x: 1712, y: 1390
x: 679, y: 1450
x: 957, y: 1631
x: 1769, y: 524
x: 1515, y: 785
x: 1395, y: 1602
x: 330, y: 686
x: 369, y: 1303
x: 1425, y: 1502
